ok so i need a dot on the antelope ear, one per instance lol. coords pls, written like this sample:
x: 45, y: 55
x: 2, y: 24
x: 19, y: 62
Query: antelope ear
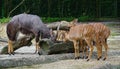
x: 51, y: 31
x: 73, y: 23
x: 75, y: 20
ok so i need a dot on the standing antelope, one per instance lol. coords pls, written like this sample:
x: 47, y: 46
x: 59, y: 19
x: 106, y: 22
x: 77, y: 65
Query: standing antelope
x: 102, y: 33
x: 81, y: 32
x: 26, y: 24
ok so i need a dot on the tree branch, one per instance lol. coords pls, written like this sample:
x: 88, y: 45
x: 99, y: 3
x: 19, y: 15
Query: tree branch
x: 16, y: 7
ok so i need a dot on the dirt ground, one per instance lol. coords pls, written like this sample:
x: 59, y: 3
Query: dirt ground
x: 112, y: 62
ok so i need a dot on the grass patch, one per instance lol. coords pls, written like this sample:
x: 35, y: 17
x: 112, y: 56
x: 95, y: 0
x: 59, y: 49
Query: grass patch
x: 55, y: 19
x: 106, y: 19
x: 50, y: 19
x: 4, y: 20
x: 81, y: 19
x: 115, y: 34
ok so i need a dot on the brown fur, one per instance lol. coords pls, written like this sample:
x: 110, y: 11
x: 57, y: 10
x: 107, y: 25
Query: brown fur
x: 81, y: 32
x: 61, y: 35
x: 102, y: 33
x: 65, y: 37
x: 84, y: 48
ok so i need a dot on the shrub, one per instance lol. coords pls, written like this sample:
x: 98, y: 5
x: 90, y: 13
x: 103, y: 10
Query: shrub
x: 4, y: 20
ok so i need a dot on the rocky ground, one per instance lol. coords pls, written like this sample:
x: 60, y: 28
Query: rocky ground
x: 66, y: 61
x: 61, y: 61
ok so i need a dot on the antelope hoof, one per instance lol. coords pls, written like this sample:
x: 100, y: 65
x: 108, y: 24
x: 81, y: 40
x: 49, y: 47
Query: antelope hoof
x: 104, y: 59
x: 40, y: 53
x: 99, y: 58
x: 35, y: 52
x: 13, y: 53
x: 88, y: 59
x: 76, y: 58
x: 10, y: 54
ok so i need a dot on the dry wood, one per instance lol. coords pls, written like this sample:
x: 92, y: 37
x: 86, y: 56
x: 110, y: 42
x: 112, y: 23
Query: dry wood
x: 63, y: 25
x: 3, y: 40
x: 25, y: 41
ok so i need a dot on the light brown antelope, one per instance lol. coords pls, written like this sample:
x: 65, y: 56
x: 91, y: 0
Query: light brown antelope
x: 84, y: 48
x: 60, y: 35
x: 81, y: 32
x: 82, y: 44
x: 102, y: 33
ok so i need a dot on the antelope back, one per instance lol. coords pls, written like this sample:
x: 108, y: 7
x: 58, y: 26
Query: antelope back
x: 81, y: 31
x: 101, y: 29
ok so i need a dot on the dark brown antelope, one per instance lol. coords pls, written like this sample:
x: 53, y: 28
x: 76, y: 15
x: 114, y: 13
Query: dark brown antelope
x: 27, y: 24
x: 81, y: 32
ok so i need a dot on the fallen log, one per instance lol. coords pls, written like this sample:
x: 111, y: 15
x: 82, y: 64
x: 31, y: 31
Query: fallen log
x: 49, y: 47
x: 24, y: 41
x: 63, y: 25
x: 3, y: 40
x: 61, y: 47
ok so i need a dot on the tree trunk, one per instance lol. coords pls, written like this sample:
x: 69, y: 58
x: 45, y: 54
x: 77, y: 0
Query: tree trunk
x: 63, y: 25
x: 3, y: 40
x: 49, y: 47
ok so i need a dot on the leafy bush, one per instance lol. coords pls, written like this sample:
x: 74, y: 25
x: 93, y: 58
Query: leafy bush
x: 4, y: 20
x: 81, y: 19
x: 50, y: 19
x: 55, y: 19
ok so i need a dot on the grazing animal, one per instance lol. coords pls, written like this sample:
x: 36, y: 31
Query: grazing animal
x: 82, y: 44
x: 81, y: 32
x: 102, y: 33
x: 27, y: 24
x: 61, y: 35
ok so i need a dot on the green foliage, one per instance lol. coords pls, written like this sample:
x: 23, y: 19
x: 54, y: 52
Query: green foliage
x: 55, y: 19
x: 50, y: 19
x: 81, y: 19
x: 81, y: 9
x: 84, y: 18
x: 4, y: 20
